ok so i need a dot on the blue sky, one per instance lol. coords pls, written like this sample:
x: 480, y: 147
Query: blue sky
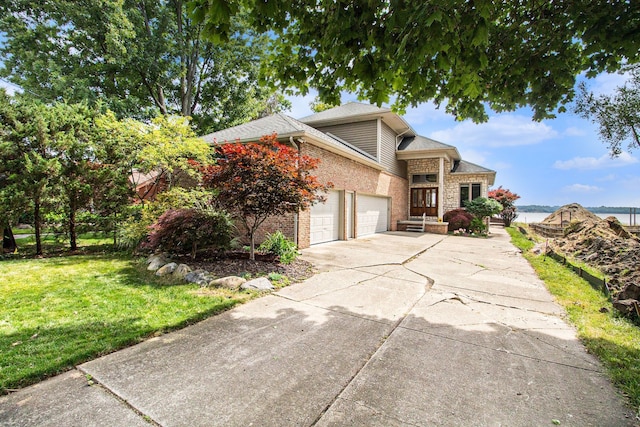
x: 553, y: 162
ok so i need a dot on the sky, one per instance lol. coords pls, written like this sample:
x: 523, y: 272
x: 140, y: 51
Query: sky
x: 553, y: 162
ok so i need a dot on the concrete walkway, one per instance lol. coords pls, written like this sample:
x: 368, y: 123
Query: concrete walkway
x: 397, y: 329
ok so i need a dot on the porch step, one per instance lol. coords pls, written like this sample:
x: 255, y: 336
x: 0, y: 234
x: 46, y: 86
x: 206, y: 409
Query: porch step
x: 415, y: 228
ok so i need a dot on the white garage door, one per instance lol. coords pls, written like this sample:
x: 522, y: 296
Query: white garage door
x: 372, y: 214
x: 325, y: 219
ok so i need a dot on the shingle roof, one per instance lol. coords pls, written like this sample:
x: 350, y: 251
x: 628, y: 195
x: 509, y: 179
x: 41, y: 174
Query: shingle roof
x: 279, y: 123
x: 462, y: 166
x: 284, y: 126
x: 415, y: 143
x: 349, y: 109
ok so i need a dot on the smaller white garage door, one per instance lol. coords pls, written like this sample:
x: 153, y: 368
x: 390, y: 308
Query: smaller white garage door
x: 325, y: 219
x: 373, y: 214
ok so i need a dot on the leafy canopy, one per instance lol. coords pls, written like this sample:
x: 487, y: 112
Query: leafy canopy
x: 464, y: 54
x: 140, y: 58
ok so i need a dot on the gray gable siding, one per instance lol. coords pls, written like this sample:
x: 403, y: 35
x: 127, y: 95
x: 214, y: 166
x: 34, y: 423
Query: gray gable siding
x: 388, y: 153
x: 363, y: 135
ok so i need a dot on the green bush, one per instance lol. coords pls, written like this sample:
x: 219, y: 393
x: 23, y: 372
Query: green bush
x: 184, y: 231
x: 280, y: 246
x: 477, y: 226
x: 140, y: 217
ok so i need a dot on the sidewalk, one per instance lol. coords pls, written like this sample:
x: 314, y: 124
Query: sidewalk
x: 397, y: 329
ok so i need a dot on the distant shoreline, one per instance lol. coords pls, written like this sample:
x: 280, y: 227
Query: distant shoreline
x: 596, y: 210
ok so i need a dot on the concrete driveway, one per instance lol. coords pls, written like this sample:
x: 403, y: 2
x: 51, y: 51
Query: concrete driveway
x: 397, y: 329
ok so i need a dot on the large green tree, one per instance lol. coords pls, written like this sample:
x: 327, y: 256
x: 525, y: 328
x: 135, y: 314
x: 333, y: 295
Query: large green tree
x: 140, y: 57
x: 29, y: 160
x: 617, y: 115
x: 465, y: 54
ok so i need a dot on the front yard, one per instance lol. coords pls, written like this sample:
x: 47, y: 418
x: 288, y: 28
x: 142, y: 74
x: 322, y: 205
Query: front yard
x: 58, y: 312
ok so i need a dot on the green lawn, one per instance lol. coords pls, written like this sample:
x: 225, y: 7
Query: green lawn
x: 612, y: 338
x: 58, y: 312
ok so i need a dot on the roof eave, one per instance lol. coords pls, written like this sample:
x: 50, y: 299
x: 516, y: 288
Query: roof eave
x: 448, y: 154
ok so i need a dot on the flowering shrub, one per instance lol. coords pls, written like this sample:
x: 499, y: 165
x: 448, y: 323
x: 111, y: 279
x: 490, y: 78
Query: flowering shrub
x: 184, y: 231
x: 458, y: 219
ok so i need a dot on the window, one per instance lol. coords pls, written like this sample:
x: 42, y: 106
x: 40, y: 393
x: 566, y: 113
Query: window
x: 469, y: 192
x: 423, y: 179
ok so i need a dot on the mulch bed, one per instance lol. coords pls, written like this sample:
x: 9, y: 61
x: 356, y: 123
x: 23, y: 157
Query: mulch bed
x: 239, y: 264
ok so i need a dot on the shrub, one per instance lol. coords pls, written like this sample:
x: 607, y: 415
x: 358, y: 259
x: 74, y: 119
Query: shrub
x: 457, y: 219
x: 482, y: 207
x: 140, y: 217
x: 184, y: 231
x: 280, y: 246
x: 477, y: 226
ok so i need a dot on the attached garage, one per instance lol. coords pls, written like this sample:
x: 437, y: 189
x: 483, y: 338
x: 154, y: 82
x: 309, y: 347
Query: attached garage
x: 372, y: 215
x: 325, y: 219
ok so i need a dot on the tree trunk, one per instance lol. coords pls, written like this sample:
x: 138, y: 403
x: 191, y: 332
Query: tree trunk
x: 252, y: 248
x: 37, y: 223
x: 72, y: 225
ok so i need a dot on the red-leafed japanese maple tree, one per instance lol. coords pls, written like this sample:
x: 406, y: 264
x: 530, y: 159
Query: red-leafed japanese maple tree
x: 507, y: 200
x: 258, y: 180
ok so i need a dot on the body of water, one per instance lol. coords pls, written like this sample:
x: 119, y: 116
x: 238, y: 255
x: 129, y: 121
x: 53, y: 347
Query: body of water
x: 529, y: 217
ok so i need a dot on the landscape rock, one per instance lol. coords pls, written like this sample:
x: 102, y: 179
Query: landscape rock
x: 630, y: 291
x: 201, y: 277
x: 181, y: 271
x: 626, y: 307
x: 260, y: 284
x: 166, y: 269
x: 154, y: 262
x: 230, y: 282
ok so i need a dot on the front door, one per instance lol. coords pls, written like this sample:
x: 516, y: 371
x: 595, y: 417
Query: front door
x: 424, y: 201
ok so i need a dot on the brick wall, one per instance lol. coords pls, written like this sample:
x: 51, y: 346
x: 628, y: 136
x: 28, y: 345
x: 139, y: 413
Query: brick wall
x: 348, y: 176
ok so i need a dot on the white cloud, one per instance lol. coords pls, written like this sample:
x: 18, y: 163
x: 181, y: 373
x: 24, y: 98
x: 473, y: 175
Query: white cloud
x: 581, y: 188
x: 607, y: 83
x: 505, y: 130
x: 426, y: 112
x: 574, y: 131
x: 604, y: 161
x: 474, y: 156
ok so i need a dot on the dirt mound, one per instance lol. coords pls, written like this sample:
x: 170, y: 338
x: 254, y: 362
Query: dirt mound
x: 602, y: 243
x: 568, y: 213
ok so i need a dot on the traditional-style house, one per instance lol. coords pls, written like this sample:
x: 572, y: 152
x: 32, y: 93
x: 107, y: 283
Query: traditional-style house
x: 385, y: 175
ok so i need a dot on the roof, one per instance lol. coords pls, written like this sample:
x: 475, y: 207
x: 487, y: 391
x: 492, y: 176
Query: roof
x: 287, y: 127
x: 348, y: 110
x: 352, y: 112
x: 417, y: 147
x: 281, y: 124
x: 415, y: 143
x: 464, y: 167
